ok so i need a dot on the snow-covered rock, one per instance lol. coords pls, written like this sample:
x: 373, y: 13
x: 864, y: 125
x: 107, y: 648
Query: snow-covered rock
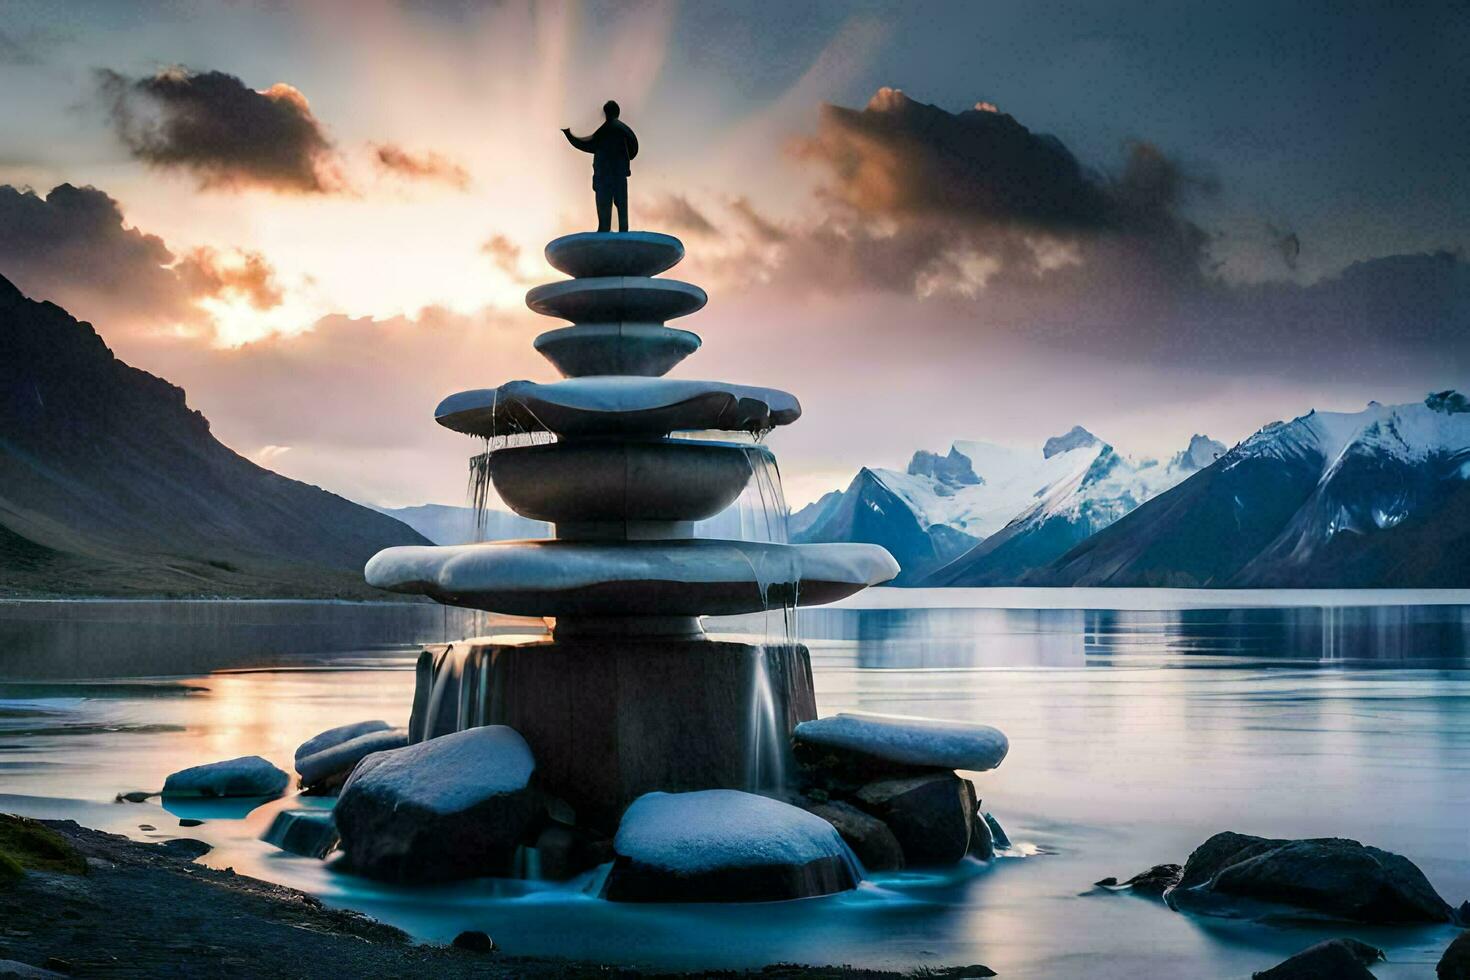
x: 890, y: 742
x: 336, y: 736
x: 322, y: 767
x: 456, y: 806
x: 309, y: 833
x: 247, y: 776
x: 723, y: 845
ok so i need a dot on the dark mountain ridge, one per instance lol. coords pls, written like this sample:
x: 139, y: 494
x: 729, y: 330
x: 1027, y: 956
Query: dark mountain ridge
x: 111, y: 485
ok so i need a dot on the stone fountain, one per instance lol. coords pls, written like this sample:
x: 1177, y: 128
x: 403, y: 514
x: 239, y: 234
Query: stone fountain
x: 627, y: 695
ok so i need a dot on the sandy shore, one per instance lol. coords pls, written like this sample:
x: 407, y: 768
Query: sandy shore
x: 147, y: 910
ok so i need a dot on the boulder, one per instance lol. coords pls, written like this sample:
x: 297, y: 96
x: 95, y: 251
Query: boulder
x: 1241, y: 876
x: 456, y: 806
x: 335, y: 762
x: 869, y: 746
x: 1455, y: 963
x: 723, y: 845
x: 1335, y: 959
x: 869, y: 837
x: 931, y: 815
x: 247, y: 776
x: 1150, y: 884
x: 309, y: 833
x: 336, y: 736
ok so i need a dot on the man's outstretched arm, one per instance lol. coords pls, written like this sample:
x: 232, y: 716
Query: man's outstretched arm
x: 585, y: 145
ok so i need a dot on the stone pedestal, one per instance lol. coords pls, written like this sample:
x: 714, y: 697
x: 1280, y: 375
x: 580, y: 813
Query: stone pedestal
x: 610, y: 719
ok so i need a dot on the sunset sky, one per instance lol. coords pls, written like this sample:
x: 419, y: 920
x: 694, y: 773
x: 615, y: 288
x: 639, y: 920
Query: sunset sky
x: 930, y: 221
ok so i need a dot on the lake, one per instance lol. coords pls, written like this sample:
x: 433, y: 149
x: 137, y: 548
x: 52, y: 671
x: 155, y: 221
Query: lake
x: 1141, y: 722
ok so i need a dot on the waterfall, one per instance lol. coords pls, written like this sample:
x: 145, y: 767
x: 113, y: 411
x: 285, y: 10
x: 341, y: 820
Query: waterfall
x: 766, y: 748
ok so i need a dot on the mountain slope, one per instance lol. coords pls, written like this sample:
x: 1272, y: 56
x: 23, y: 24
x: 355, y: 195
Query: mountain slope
x: 1071, y: 511
x: 1376, y: 498
x: 445, y: 524
x: 111, y: 485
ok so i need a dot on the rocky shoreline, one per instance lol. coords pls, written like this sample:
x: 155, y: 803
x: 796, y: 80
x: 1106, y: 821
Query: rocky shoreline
x: 148, y: 910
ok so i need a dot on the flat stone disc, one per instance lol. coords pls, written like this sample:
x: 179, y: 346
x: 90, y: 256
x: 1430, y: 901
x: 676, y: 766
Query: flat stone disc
x: 616, y: 406
x: 622, y: 253
x: 631, y: 578
x: 613, y: 299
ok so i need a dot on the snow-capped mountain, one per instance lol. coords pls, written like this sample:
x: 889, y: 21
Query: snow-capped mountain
x: 1377, y: 498
x: 1072, y: 510
x: 943, y: 506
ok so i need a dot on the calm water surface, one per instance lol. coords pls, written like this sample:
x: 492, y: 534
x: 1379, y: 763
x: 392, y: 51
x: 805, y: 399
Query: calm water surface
x: 1137, y: 729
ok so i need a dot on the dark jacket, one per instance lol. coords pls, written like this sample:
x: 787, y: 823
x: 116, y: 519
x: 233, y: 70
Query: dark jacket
x: 612, y: 146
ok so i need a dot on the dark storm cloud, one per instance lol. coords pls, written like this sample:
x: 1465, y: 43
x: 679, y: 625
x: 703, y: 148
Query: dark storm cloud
x: 1011, y: 238
x: 678, y: 213
x: 73, y: 247
x: 218, y: 128
x: 1288, y: 245
x: 428, y: 165
x: 74, y: 241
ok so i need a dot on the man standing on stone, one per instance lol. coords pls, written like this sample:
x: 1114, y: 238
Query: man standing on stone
x: 612, y: 146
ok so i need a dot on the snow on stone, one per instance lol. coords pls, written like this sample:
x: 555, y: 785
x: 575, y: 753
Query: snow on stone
x: 336, y: 736
x: 343, y: 756
x: 912, y: 741
x: 719, y: 828
x: 452, y: 772
x: 248, y: 775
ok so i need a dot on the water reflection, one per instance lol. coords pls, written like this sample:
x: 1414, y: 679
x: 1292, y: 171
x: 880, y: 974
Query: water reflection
x: 1385, y: 636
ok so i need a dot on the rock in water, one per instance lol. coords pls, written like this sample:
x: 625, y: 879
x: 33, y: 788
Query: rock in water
x: 1151, y: 883
x: 1238, y: 875
x: 1002, y: 842
x: 879, y: 744
x: 322, y: 766
x: 1335, y: 959
x: 869, y: 837
x: 336, y: 736
x: 309, y: 833
x: 982, y: 844
x: 1455, y: 963
x: 475, y: 941
x: 722, y: 845
x: 246, y: 776
x: 931, y: 815
x: 452, y: 807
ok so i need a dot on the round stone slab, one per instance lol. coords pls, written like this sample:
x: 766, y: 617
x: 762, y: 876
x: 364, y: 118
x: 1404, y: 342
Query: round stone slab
x: 690, y: 577
x: 918, y: 742
x: 610, y: 299
x: 648, y: 349
x: 595, y: 480
x: 623, y: 253
x: 607, y: 406
x: 722, y: 845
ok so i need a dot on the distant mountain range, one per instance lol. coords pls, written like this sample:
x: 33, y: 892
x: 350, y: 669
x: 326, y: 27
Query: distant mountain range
x: 111, y: 485
x: 983, y: 513
x: 1372, y: 499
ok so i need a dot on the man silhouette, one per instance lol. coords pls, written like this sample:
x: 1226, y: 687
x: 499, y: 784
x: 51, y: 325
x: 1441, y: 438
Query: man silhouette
x: 612, y: 146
